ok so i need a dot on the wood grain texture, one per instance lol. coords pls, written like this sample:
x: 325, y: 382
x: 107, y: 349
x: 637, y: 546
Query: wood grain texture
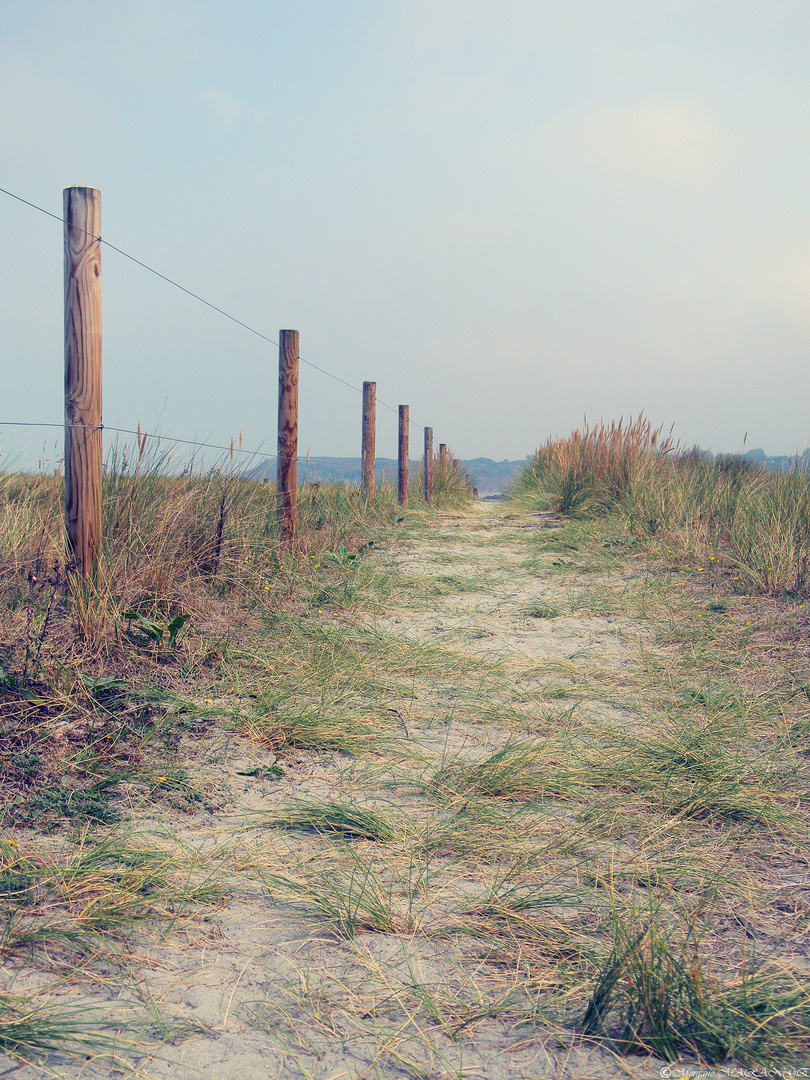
x: 428, y: 465
x: 83, y: 435
x: 287, y: 463
x: 369, y: 437
x: 403, y: 452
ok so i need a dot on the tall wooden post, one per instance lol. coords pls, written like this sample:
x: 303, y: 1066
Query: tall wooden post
x: 82, y: 217
x: 428, y: 465
x: 287, y: 462
x: 404, y: 451
x: 369, y: 436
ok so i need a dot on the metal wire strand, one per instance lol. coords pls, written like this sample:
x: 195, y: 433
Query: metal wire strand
x: 201, y: 299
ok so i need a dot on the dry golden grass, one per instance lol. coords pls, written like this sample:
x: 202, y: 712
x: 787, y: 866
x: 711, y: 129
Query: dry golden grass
x: 457, y: 833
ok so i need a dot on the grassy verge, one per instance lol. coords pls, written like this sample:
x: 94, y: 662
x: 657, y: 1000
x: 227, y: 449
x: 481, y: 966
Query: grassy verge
x: 469, y: 782
x: 741, y: 526
x: 200, y: 625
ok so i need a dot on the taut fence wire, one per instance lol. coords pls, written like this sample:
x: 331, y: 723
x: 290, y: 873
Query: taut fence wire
x: 200, y: 299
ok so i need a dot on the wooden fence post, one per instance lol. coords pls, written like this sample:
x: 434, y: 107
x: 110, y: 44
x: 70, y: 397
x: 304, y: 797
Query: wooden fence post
x: 287, y: 465
x: 369, y: 434
x: 443, y: 454
x: 83, y: 439
x: 428, y: 465
x: 404, y: 451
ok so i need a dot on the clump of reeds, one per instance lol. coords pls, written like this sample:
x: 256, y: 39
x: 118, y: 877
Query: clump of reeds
x: 655, y: 994
x: 592, y: 467
x: 185, y: 554
x: 450, y: 490
x: 167, y: 531
x: 740, y: 519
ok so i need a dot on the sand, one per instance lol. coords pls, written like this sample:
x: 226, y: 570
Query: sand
x: 264, y: 989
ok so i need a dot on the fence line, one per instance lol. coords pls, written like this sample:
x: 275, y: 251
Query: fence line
x: 196, y: 296
x: 138, y: 433
x: 311, y: 459
x: 81, y: 223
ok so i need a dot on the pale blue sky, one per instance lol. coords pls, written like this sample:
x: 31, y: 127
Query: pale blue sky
x: 508, y: 214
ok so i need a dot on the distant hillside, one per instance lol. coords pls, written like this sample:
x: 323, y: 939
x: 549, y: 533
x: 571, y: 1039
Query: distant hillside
x: 758, y: 457
x: 493, y: 477
x: 490, y: 477
x: 780, y: 462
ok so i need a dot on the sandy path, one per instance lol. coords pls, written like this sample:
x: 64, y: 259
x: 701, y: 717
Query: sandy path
x: 270, y: 991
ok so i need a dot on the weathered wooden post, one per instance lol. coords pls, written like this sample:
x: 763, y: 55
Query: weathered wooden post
x: 443, y: 454
x: 428, y: 465
x: 82, y: 219
x: 287, y: 464
x: 369, y: 434
x: 403, y: 452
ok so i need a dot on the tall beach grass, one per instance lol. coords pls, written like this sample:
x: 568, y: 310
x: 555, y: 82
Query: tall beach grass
x: 167, y: 532
x: 728, y: 515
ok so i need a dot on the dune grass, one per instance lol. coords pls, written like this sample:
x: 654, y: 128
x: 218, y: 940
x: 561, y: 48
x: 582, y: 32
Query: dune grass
x: 656, y: 993
x: 740, y: 524
x: 469, y: 846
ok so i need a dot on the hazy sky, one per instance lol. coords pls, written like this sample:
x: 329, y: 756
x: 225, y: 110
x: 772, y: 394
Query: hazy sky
x: 509, y: 213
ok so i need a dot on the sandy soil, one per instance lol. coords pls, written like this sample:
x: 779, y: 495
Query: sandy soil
x: 269, y: 991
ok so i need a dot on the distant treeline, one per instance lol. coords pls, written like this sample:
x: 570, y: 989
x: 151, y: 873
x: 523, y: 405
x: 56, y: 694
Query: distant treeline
x: 490, y: 477
x: 487, y: 475
x: 784, y: 463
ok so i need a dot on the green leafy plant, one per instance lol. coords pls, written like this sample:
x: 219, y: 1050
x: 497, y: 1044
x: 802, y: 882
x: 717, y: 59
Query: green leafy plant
x: 149, y: 630
x: 70, y: 803
x: 102, y: 684
x: 263, y: 772
x: 343, y: 558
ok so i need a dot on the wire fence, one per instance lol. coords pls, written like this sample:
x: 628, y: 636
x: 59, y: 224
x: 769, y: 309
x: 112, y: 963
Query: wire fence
x: 200, y: 299
x: 267, y: 460
x: 140, y: 434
